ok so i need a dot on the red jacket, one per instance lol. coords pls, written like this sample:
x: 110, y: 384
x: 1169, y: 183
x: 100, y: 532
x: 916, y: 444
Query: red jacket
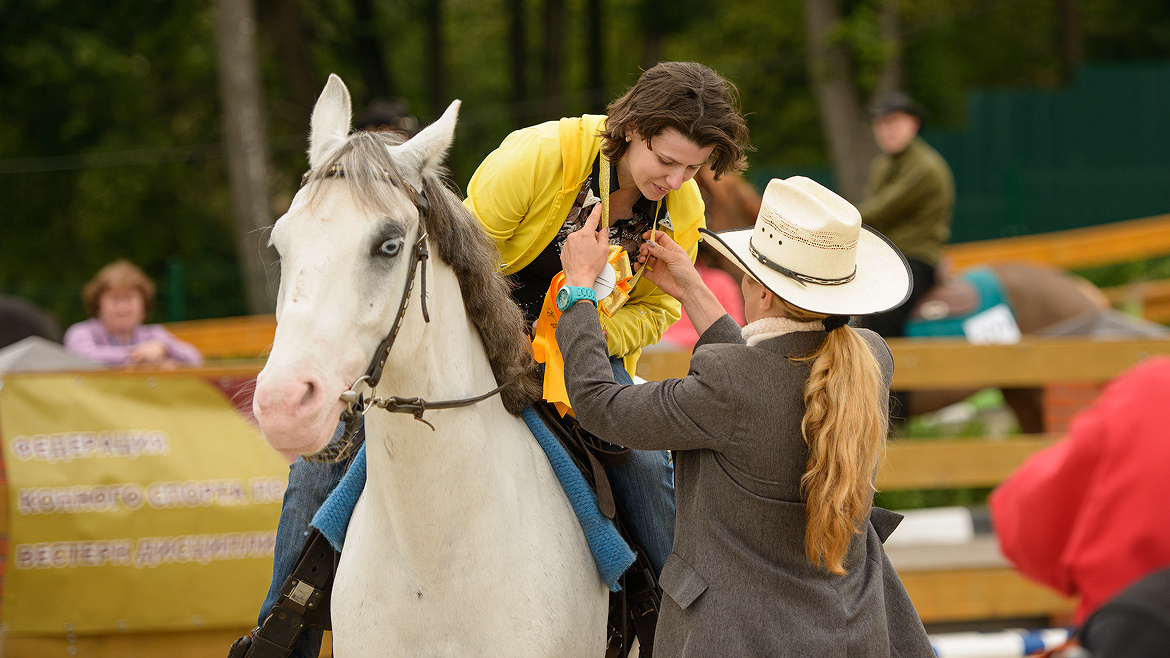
x: 1091, y: 514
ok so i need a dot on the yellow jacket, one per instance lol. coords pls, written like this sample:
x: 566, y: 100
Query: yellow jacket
x: 522, y: 193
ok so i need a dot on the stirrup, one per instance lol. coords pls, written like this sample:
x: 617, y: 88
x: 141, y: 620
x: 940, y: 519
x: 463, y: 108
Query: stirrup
x: 633, y: 612
x: 303, y: 602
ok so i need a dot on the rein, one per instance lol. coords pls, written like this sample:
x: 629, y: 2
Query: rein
x: 358, y: 405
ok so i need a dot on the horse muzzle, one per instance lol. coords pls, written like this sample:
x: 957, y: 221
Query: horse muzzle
x: 295, y: 413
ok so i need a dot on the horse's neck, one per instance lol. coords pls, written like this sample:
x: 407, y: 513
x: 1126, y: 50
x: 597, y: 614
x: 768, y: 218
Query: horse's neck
x: 431, y: 485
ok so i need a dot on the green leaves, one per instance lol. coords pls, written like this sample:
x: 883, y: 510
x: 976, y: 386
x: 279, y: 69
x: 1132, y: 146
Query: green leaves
x: 110, y: 126
x: 860, y: 32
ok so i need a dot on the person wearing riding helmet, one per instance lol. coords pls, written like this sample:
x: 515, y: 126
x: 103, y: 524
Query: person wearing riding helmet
x: 529, y: 194
x: 778, y: 429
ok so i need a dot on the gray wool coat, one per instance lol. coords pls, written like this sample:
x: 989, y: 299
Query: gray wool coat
x: 738, y: 582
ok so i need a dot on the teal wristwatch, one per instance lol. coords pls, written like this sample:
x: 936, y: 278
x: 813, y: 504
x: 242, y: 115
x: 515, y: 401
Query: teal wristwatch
x: 570, y: 295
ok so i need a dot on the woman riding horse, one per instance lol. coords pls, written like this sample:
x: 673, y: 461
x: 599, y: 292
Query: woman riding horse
x: 529, y: 194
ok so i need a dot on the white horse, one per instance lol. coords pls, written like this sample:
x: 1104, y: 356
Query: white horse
x: 463, y: 542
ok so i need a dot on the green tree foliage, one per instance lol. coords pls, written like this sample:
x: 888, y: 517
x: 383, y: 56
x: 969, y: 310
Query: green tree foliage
x: 109, y: 143
x: 1126, y: 30
x: 110, y: 136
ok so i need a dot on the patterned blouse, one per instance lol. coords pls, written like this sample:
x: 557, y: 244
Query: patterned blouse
x: 531, y: 282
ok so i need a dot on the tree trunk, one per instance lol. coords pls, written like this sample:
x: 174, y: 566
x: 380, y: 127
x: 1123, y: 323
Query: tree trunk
x: 1069, y: 22
x: 283, y: 26
x: 246, y: 138
x: 371, y: 57
x: 659, y: 19
x: 518, y: 56
x: 596, y: 96
x: 436, y: 78
x: 552, y: 79
x: 847, y: 130
x: 890, y: 77
x: 651, y: 48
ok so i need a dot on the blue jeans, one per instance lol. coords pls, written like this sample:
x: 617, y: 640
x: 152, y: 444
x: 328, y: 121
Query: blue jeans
x: 309, y: 484
x: 644, y: 486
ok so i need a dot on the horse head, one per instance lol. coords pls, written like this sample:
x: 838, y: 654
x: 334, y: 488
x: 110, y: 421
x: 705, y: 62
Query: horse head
x: 375, y: 249
x: 346, y: 249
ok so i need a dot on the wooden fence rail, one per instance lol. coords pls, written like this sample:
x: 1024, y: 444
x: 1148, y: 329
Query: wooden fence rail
x: 251, y: 336
x: 955, y: 463
x: 1118, y: 242
x: 246, y: 337
x: 1152, y: 298
x: 925, y: 364
x: 969, y: 582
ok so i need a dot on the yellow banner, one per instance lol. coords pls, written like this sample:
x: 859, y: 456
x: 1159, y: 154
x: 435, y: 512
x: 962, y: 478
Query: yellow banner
x: 135, y: 503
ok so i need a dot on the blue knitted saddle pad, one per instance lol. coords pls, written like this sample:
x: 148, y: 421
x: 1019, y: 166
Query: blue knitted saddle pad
x: 991, y: 293
x: 610, y: 551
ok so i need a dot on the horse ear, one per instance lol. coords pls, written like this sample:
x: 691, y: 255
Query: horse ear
x: 331, y: 117
x: 426, y: 150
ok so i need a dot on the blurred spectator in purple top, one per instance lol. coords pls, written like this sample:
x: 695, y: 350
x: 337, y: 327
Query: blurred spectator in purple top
x: 117, y: 299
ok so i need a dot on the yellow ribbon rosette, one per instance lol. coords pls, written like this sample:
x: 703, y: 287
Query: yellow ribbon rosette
x: 544, y: 341
x: 545, y: 349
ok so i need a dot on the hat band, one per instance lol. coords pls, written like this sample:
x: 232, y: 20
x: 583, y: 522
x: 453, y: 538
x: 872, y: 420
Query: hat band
x: 802, y: 279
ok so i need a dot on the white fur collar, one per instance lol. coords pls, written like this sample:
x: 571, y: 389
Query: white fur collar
x: 765, y: 328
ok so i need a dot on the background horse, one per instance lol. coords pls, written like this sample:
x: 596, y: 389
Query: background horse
x: 20, y: 318
x: 462, y: 542
x: 1040, y: 296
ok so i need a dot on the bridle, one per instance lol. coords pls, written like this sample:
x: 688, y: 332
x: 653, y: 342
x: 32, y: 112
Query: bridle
x: 356, y: 404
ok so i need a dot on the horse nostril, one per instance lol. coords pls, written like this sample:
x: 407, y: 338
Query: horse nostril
x: 310, y: 393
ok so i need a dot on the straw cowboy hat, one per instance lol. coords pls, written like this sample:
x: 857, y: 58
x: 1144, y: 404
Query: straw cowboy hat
x: 810, y: 248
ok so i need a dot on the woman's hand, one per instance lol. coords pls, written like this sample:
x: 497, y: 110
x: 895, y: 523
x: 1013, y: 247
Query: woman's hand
x: 668, y: 266
x: 152, y: 351
x: 585, y: 252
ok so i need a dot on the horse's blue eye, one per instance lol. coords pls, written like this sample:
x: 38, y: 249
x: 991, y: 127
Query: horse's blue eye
x: 390, y: 248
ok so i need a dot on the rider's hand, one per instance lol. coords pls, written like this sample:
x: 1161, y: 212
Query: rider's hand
x: 585, y: 252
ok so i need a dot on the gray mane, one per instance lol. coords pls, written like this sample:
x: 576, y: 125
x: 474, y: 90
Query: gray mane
x: 457, y: 238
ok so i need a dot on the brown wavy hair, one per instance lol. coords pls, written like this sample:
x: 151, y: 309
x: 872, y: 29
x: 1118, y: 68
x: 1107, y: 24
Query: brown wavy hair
x: 118, y: 274
x: 690, y: 98
x: 845, y: 425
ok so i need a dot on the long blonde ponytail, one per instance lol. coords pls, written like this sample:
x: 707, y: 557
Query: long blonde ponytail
x: 845, y: 424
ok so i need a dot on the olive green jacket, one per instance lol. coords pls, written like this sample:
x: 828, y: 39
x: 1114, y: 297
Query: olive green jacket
x: 910, y: 199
